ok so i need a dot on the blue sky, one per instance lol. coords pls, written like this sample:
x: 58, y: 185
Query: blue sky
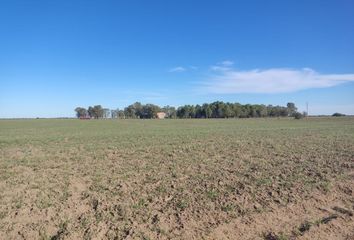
x: 57, y: 55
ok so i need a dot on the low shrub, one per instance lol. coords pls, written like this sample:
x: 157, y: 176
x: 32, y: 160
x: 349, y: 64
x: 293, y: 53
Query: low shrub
x: 298, y: 115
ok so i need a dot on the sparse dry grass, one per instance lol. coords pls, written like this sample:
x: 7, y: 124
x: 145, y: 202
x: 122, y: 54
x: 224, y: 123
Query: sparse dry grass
x: 169, y: 179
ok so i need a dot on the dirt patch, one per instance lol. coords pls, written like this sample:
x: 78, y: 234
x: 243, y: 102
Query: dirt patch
x: 316, y: 218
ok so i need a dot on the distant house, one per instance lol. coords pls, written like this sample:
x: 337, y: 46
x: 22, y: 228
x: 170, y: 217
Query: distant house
x: 161, y: 115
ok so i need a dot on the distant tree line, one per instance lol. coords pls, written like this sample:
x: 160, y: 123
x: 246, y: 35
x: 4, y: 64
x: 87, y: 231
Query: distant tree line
x: 338, y: 115
x: 217, y: 109
x: 235, y: 110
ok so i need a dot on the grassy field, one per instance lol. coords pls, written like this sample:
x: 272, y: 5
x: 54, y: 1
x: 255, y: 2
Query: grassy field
x: 177, y: 179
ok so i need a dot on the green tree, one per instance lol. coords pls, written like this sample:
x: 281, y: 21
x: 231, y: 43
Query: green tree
x: 121, y: 114
x: 292, y: 109
x: 96, y: 111
x: 228, y: 110
x: 170, y: 111
x: 90, y: 112
x: 149, y: 111
x: 298, y: 115
x: 338, y: 115
x: 81, y: 112
x: 207, y: 110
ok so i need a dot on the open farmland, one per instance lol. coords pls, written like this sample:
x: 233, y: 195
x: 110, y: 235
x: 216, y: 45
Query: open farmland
x: 177, y: 179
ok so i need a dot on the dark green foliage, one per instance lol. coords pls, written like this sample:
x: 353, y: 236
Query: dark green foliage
x: 121, y: 114
x: 90, y: 111
x: 298, y: 115
x: 292, y: 110
x: 338, y: 115
x: 232, y: 110
x: 170, y: 111
x: 137, y: 110
x: 149, y: 111
x: 81, y: 112
x: 96, y: 112
x: 217, y: 109
x: 133, y: 110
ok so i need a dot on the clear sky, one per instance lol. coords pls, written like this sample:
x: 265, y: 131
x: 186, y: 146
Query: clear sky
x: 57, y: 55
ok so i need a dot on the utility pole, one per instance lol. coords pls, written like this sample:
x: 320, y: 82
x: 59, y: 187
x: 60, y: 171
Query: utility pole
x: 307, y: 109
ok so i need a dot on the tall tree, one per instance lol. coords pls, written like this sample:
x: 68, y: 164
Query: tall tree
x: 149, y: 111
x: 170, y: 111
x: 134, y: 110
x: 121, y: 114
x: 96, y: 111
x: 81, y: 112
x: 292, y: 109
x: 90, y: 112
x: 207, y: 112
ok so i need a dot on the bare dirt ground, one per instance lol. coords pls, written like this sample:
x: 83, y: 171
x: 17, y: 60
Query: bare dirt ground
x: 185, y: 179
x: 319, y: 217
